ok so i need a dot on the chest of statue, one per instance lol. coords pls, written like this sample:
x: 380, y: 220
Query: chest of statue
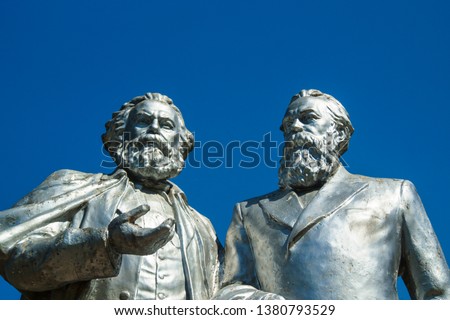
x: 158, y: 276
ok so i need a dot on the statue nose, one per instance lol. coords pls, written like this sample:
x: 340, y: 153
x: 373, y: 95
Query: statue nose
x: 297, y: 126
x: 154, y: 126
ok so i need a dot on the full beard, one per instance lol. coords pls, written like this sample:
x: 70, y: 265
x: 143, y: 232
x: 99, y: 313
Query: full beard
x: 151, y: 158
x: 308, y: 161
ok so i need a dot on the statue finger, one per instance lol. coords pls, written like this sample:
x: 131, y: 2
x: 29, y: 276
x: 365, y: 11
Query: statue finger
x: 134, y: 214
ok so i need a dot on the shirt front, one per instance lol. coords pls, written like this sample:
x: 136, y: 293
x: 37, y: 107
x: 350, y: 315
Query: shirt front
x: 160, y: 275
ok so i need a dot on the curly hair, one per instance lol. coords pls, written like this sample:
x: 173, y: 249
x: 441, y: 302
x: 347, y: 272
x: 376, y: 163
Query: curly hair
x: 116, y: 126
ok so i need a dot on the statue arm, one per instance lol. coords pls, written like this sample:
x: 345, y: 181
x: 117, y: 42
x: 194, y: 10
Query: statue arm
x: 425, y: 273
x: 54, y: 256
x: 46, y: 261
x: 240, y: 280
x: 42, y: 246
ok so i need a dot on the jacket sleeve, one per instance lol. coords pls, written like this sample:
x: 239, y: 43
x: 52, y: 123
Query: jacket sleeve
x: 46, y: 261
x: 240, y: 279
x: 425, y: 271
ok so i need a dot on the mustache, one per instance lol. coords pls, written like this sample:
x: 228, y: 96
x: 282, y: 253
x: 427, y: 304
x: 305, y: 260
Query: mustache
x: 327, y: 144
x: 152, y: 140
x: 149, y: 141
x: 303, y: 140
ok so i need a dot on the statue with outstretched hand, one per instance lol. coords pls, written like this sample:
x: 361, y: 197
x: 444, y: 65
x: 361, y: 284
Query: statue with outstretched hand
x: 127, y: 235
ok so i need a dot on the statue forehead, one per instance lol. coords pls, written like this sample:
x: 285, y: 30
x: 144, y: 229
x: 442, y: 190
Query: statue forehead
x: 315, y: 103
x: 152, y: 106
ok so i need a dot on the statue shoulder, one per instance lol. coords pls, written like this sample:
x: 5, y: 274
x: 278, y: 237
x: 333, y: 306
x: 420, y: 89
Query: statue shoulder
x: 57, y: 183
x: 385, y: 183
x: 255, y: 201
x: 69, y: 176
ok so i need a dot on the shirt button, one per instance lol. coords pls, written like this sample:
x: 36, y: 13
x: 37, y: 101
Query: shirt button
x: 124, y: 295
x: 161, y: 296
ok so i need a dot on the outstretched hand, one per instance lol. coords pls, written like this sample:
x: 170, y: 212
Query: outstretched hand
x: 126, y: 237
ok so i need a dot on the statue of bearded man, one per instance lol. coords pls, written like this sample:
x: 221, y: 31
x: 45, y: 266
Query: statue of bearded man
x: 326, y: 233
x: 128, y: 235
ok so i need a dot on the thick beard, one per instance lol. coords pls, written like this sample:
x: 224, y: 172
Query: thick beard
x: 150, y: 158
x: 308, y: 161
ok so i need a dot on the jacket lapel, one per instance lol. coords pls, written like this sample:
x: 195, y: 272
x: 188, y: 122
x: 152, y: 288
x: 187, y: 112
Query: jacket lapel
x: 191, y: 249
x: 334, y: 195
x: 282, y: 206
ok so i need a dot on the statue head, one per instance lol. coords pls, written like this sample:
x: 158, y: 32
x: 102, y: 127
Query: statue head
x: 148, y: 138
x: 317, y: 131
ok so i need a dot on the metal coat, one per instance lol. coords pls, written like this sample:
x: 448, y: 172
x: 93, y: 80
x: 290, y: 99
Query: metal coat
x: 352, y: 241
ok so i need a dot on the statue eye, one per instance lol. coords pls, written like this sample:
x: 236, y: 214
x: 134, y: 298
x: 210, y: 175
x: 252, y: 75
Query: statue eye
x: 309, y: 117
x: 167, y: 125
x: 141, y: 123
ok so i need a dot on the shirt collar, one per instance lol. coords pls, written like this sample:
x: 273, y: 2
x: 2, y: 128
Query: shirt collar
x: 163, y: 185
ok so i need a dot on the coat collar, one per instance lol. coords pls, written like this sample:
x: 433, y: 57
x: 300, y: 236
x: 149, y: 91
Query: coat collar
x: 284, y: 206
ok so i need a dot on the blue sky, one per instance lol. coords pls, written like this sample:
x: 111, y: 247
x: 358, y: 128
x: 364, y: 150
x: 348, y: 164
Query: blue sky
x: 231, y: 67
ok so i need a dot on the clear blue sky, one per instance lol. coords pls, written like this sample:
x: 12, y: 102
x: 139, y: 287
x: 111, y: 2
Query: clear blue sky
x: 231, y: 67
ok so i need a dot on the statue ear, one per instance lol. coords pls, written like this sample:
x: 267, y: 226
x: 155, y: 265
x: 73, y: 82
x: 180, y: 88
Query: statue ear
x: 342, y: 137
x: 342, y: 134
x: 187, y: 143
